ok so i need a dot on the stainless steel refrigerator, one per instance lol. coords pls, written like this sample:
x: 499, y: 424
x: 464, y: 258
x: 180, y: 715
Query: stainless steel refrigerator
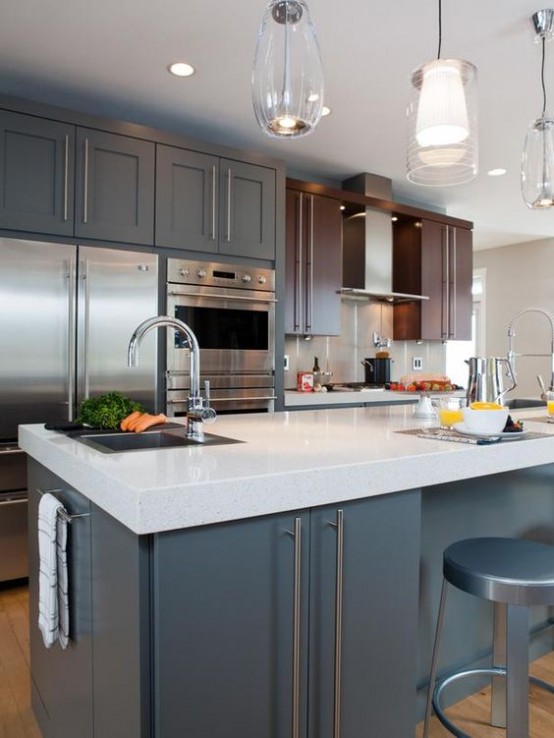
x: 66, y: 316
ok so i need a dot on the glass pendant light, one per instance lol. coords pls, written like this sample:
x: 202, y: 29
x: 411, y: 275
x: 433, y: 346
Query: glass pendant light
x: 537, y: 165
x: 287, y: 79
x: 442, y: 121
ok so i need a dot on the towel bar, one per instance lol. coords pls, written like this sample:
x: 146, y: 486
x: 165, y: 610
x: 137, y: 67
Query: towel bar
x: 61, y: 512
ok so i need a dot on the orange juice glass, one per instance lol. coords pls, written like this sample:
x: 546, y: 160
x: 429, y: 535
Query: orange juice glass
x: 550, y: 406
x: 450, y: 411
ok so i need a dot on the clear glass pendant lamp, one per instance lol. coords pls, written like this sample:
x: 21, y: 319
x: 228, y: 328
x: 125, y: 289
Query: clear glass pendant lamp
x: 287, y: 78
x: 537, y: 162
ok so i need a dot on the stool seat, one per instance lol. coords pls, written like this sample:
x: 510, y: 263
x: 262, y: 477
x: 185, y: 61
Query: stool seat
x: 514, y: 571
x: 514, y: 574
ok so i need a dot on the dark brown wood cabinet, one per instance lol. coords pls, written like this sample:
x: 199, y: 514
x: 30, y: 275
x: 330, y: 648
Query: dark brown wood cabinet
x: 313, y: 264
x: 435, y: 259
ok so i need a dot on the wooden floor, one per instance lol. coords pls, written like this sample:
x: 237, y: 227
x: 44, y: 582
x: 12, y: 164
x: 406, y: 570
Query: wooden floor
x: 17, y: 721
x: 16, y: 717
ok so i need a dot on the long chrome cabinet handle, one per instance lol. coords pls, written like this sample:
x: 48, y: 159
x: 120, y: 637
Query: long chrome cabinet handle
x: 298, y: 263
x: 22, y: 501
x: 214, y: 195
x: 339, y: 583
x: 310, y: 271
x: 85, y: 184
x: 69, y: 518
x: 453, y: 291
x: 445, y: 308
x: 65, y: 176
x: 296, y: 627
x: 229, y: 177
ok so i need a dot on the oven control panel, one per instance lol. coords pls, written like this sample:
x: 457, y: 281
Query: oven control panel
x: 215, y: 274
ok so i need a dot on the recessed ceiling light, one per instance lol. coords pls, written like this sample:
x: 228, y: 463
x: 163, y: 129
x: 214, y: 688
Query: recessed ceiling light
x: 394, y: 218
x: 181, y: 69
x: 496, y: 172
x: 325, y: 110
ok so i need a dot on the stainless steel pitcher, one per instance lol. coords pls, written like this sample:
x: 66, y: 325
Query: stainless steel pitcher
x: 485, y: 379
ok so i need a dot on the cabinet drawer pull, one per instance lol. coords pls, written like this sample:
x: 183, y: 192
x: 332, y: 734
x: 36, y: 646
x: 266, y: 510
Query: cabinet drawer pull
x: 65, y: 176
x: 85, y: 185
x: 69, y: 518
x: 296, y: 624
x: 339, y: 580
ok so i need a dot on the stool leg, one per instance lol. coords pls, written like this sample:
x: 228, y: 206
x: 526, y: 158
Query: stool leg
x: 498, y: 684
x: 517, y: 668
x: 435, y: 659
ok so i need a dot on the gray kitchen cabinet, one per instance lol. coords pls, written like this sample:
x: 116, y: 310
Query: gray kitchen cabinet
x: 61, y: 680
x: 114, y: 197
x: 36, y: 174
x: 214, y: 205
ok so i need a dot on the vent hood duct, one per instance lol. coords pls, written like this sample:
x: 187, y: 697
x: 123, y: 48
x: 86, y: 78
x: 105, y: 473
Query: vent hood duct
x: 367, y: 245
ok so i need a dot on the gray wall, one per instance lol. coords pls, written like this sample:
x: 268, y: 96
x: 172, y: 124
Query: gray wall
x: 517, y: 277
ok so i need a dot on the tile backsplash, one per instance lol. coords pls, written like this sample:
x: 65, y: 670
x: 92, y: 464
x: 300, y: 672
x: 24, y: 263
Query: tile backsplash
x: 343, y: 354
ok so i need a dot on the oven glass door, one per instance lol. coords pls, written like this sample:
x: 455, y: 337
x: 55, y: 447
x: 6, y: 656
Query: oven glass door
x: 235, y: 333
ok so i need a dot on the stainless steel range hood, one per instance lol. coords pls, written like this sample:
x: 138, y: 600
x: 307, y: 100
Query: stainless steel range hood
x: 367, y: 245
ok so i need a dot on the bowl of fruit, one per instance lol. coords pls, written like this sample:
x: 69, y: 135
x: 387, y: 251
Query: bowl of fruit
x: 485, y: 417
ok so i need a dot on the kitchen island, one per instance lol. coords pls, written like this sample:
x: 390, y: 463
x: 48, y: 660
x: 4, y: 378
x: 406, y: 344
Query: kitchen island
x: 271, y: 587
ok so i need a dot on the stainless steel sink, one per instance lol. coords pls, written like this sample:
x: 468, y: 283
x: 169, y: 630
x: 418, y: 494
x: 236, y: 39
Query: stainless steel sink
x: 521, y: 403
x: 112, y: 443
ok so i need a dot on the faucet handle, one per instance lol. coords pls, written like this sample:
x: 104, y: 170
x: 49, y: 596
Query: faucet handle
x: 207, y: 391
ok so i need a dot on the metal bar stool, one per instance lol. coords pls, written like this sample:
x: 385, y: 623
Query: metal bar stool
x: 514, y: 574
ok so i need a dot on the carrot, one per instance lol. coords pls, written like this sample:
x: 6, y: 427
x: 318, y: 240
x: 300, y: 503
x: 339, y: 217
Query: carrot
x: 135, y: 421
x: 149, y: 421
x: 125, y: 422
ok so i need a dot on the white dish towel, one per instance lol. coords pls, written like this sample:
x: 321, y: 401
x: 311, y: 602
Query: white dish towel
x: 53, y: 615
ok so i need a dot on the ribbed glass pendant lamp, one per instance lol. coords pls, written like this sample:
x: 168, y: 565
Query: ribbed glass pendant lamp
x: 537, y: 164
x: 287, y: 78
x: 442, y: 121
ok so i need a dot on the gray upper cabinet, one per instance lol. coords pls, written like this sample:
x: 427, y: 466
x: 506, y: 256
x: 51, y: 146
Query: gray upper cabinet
x: 114, y: 197
x: 214, y: 205
x: 36, y: 174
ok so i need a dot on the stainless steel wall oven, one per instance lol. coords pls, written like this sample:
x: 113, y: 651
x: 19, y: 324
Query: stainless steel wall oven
x: 231, y: 309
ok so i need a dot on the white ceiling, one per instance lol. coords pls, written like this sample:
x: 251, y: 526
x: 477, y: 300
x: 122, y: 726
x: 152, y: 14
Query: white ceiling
x: 109, y: 57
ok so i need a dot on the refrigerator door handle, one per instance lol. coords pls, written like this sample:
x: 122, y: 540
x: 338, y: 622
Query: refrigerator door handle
x: 84, y: 276
x: 72, y: 314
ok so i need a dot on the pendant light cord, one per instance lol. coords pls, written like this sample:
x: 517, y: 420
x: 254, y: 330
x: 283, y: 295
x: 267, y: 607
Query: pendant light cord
x: 440, y: 30
x: 542, y: 77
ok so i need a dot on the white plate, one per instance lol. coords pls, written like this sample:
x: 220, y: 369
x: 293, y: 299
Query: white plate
x: 508, y: 436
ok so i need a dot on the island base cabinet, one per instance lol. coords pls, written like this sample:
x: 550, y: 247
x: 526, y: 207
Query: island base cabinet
x: 99, y: 686
x: 61, y: 680
x: 364, y: 584
x: 290, y: 626
x: 223, y: 615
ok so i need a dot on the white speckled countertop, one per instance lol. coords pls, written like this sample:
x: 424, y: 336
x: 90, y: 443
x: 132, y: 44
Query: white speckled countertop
x: 288, y: 461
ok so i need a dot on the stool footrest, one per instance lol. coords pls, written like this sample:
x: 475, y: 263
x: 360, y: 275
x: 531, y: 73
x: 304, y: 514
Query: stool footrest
x: 491, y: 671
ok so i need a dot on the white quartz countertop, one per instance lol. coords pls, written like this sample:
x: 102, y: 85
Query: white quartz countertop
x: 287, y: 461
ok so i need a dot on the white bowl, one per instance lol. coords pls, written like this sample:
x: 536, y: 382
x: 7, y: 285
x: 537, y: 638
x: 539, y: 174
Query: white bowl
x: 485, y: 421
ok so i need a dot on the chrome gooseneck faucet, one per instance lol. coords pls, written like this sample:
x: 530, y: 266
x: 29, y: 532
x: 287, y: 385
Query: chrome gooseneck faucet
x: 198, y: 407
x: 511, y: 333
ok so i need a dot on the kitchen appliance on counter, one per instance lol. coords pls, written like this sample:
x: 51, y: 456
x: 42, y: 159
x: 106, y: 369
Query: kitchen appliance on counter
x: 231, y: 310
x: 485, y: 383
x: 377, y: 370
x: 66, y: 313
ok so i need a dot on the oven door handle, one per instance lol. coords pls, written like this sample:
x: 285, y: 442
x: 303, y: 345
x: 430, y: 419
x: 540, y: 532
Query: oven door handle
x: 223, y: 297
x: 213, y: 400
